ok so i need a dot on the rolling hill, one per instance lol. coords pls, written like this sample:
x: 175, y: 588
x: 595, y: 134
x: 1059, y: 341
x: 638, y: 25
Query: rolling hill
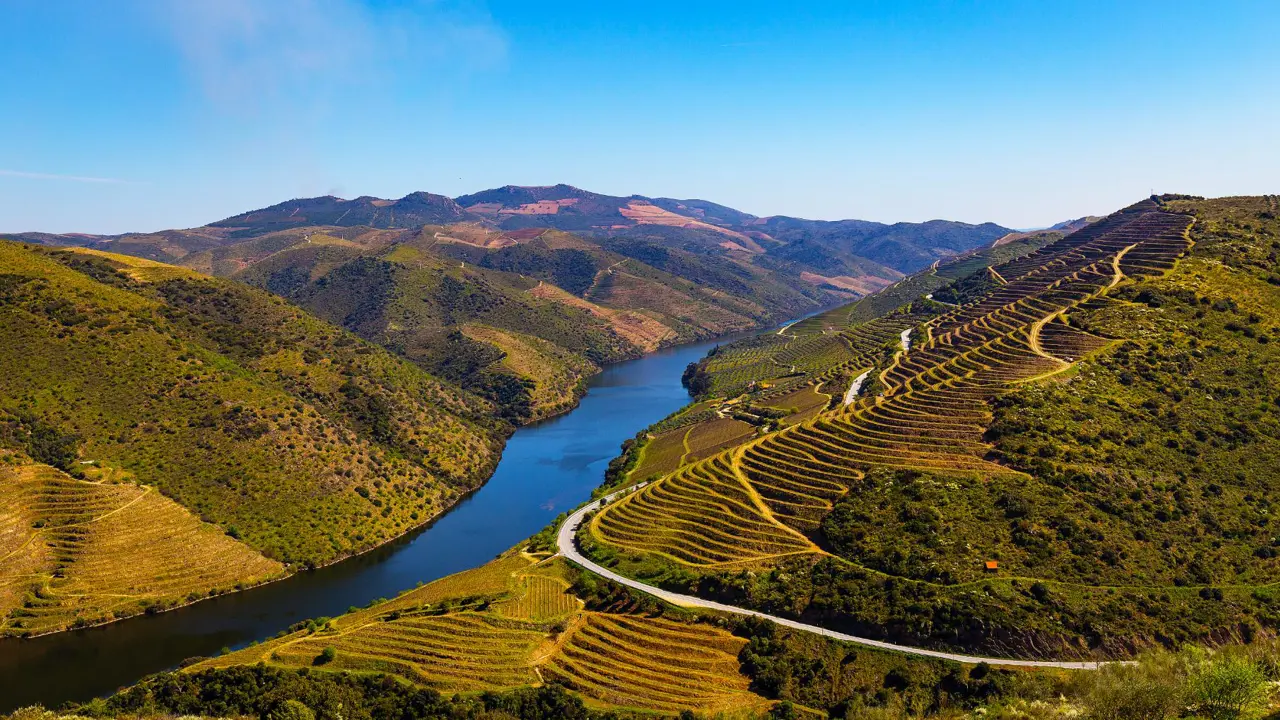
x: 520, y: 322
x: 1071, y: 457
x: 158, y: 419
x: 520, y: 293
x: 852, y: 248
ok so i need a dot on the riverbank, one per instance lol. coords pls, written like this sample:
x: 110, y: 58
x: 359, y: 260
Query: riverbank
x: 546, y: 468
x: 429, y: 511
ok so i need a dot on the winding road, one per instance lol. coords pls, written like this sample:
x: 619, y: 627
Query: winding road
x: 569, y: 549
x: 852, y: 393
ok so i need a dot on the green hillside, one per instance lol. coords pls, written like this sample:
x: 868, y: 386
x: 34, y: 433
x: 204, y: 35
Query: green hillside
x: 826, y: 348
x: 1073, y: 460
x: 420, y: 297
x: 416, y: 291
x: 298, y: 438
x: 1097, y: 419
x: 413, y: 274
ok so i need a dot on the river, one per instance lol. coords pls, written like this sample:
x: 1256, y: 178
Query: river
x: 546, y: 468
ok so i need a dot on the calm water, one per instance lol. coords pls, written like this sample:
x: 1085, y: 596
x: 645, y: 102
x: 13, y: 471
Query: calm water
x: 546, y: 469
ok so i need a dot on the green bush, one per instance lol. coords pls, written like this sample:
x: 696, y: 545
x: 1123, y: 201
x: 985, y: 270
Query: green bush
x: 292, y: 710
x: 1228, y: 687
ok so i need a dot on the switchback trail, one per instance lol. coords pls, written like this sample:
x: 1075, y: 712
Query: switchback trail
x: 569, y: 549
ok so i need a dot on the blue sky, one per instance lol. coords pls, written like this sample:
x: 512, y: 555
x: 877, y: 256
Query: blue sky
x: 149, y: 114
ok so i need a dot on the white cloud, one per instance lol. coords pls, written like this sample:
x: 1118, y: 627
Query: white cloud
x: 247, y: 53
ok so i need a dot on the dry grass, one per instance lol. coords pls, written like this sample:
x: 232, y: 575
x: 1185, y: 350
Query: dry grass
x: 626, y: 290
x: 455, y: 652
x: 804, y: 404
x: 513, y: 623
x: 662, y: 454
x: 711, y: 436
x: 140, y: 269
x: 76, y: 553
x: 638, y: 329
x: 542, y: 595
x: 654, y: 664
x: 862, y: 284
x: 645, y: 213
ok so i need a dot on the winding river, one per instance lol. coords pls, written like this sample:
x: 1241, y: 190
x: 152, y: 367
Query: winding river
x: 546, y: 469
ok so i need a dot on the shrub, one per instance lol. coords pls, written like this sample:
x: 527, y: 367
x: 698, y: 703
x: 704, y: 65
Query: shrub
x: 326, y: 655
x: 783, y: 711
x: 1227, y: 687
x: 291, y: 710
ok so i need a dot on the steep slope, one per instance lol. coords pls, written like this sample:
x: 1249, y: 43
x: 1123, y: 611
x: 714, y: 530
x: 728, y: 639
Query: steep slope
x: 826, y: 348
x: 853, y: 248
x: 75, y: 553
x: 296, y: 437
x: 410, y: 296
x: 639, y: 273
x: 1076, y: 460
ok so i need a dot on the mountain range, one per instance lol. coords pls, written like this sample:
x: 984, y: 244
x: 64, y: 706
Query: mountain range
x: 858, y: 248
x: 520, y: 293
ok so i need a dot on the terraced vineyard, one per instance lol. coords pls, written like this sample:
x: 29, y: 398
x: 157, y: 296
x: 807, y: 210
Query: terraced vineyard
x: 708, y: 438
x: 781, y: 364
x: 803, y: 403
x: 76, y: 553
x: 457, y: 652
x: 757, y: 503
x: 652, y: 663
x: 514, y: 623
x: 834, y: 343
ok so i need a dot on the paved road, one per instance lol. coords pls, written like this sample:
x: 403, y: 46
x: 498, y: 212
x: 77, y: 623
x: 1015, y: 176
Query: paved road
x: 568, y: 548
x: 852, y: 393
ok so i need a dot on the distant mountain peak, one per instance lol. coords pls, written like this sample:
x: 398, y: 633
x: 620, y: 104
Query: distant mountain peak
x: 413, y: 210
x: 836, y: 248
x: 557, y: 186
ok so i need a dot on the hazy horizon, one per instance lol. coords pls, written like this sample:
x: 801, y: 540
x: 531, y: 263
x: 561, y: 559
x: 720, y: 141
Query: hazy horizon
x: 152, y: 114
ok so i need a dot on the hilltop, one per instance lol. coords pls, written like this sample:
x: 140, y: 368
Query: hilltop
x: 520, y: 293
x: 853, y: 248
x: 849, y: 256
x: 1058, y: 447
x: 172, y: 435
x: 1068, y: 453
